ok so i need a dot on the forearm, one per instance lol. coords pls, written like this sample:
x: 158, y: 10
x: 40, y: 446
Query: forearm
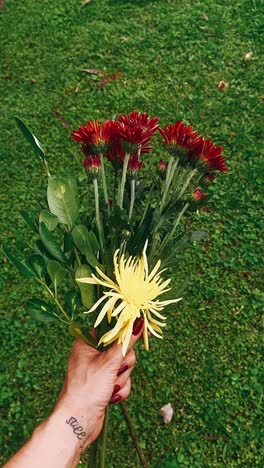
x: 56, y: 443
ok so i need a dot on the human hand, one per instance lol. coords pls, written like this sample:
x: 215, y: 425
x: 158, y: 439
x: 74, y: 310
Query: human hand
x: 93, y: 380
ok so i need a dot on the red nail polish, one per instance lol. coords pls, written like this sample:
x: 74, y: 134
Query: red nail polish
x: 122, y: 369
x: 116, y: 389
x: 137, y: 327
x: 115, y: 399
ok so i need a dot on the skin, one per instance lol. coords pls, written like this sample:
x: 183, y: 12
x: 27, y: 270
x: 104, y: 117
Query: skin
x: 91, y: 378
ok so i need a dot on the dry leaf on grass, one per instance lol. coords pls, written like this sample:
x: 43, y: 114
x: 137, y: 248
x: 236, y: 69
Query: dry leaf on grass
x: 166, y: 412
x: 92, y: 71
x: 248, y: 56
x: 222, y: 85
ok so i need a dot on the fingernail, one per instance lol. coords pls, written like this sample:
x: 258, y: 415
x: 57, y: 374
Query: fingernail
x: 115, y: 399
x: 138, y: 324
x: 122, y: 369
x: 116, y: 389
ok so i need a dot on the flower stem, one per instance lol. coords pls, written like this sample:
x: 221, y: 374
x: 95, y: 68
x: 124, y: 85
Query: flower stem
x: 133, y: 434
x: 123, y: 180
x: 46, y: 168
x: 169, y: 176
x: 103, y: 439
x: 104, y: 183
x: 97, y: 214
x: 177, y: 221
x: 132, y: 199
x: 188, y: 180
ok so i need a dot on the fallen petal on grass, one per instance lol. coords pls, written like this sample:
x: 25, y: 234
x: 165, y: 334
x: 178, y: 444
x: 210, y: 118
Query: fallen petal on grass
x: 166, y: 412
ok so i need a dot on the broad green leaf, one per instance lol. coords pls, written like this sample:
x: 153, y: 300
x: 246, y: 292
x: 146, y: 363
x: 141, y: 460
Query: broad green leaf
x: 57, y: 273
x: 62, y: 201
x: 49, y: 219
x: 93, y: 242
x: 37, y: 263
x: 80, y: 236
x: 39, y: 248
x: 29, y: 220
x: 31, y: 138
x: 22, y: 267
x: 73, y: 183
x: 75, y: 330
x: 87, y: 290
x: 40, y: 310
x: 50, y: 244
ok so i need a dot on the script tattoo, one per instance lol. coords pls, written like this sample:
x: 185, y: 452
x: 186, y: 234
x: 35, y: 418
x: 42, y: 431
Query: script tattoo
x: 78, y: 430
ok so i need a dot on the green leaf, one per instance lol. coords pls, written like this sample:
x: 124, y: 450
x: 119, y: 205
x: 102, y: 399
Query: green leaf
x: 31, y: 138
x: 22, y: 267
x: 62, y: 201
x: 37, y: 263
x: 73, y: 183
x: 80, y: 236
x: 40, y: 310
x: 57, y: 273
x: 50, y: 244
x: 72, y: 302
x: 93, y: 242
x: 49, y: 219
x: 87, y: 290
x: 29, y: 221
x: 75, y: 330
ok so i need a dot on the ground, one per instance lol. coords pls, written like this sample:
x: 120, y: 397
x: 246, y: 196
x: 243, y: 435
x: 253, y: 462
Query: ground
x: 167, y: 58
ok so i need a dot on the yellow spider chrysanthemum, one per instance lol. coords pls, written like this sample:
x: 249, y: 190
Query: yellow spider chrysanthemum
x: 136, y: 292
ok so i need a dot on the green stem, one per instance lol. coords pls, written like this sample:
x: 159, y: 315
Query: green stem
x: 171, y: 234
x: 188, y: 180
x: 77, y: 257
x: 104, y: 183
x: 169, y: 176
x: 123, y: 180
x: 133, y: 434
x: 132, y: 199
x: 47, y: 168
x: 97, y: 213
x: 147, y: 205
x: 51, y: 293
x: 103, y: 440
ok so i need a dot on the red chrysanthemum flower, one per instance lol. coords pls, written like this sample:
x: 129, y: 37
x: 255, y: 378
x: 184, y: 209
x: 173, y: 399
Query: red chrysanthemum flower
x: 143, y: 121
x: 136, y: 131
x: 96, y: 138
x: 179, y: 136
x: 198, y: 195
x: 210, y: 155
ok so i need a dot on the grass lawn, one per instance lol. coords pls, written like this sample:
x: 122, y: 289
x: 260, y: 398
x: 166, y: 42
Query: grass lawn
x: 164, y: 57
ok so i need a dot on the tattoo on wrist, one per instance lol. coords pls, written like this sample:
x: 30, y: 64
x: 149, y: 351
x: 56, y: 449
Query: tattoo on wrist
x: 78, y: 430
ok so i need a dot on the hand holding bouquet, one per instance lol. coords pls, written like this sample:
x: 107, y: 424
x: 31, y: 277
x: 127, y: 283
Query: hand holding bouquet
x: 113, y: 259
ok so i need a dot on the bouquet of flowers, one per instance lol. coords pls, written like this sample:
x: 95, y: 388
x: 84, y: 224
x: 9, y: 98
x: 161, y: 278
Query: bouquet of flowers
x: 113, y: 259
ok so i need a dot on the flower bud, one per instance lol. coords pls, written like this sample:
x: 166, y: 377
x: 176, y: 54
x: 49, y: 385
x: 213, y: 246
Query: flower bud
x: 134, y: 166
x: 198, y: 195
x: 162, y: 165
x: 92, y: 165
x: 209, y: 177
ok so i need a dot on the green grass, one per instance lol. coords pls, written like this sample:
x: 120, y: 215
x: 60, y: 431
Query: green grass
x: 170, y: 56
